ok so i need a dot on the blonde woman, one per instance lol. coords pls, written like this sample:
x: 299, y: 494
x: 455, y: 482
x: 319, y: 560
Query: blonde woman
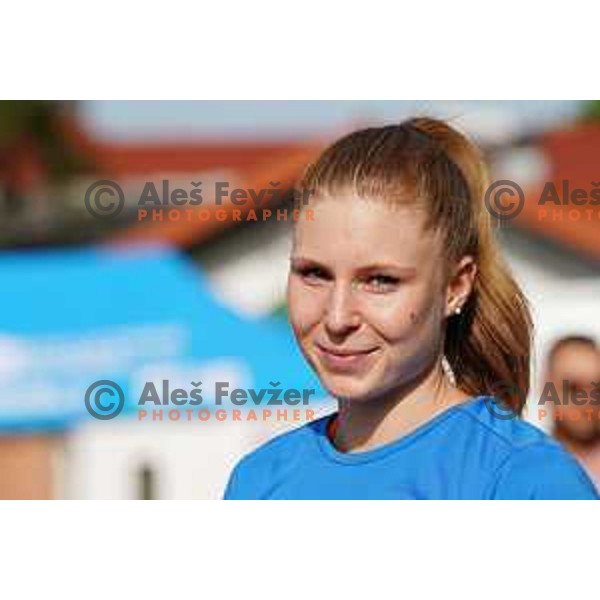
x: 401, y: 303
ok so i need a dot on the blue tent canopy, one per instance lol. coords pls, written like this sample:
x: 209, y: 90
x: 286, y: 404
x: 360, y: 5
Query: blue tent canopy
x: 71, y: 318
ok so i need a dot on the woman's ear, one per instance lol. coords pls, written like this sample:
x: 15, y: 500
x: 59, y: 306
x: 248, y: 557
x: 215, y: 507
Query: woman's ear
x: 460, y: 285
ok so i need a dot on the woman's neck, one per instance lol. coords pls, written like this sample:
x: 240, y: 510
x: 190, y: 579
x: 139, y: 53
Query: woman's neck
x: 363, y: 425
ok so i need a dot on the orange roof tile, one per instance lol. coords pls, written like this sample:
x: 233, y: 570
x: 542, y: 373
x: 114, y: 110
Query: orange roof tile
x: 284, y: 170
x: 574, y: 155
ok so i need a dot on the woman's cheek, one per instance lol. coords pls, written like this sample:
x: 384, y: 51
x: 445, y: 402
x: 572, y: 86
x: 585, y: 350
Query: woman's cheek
x: 400, y: 317
x: 303, y: 308
x: 424, y: 320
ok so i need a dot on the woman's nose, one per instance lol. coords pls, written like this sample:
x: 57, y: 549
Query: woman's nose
x: 342, y: 312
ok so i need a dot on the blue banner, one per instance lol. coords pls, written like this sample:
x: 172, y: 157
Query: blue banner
x: 73, y: 319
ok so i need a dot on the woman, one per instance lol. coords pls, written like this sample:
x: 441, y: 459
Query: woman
x: 402, y: 305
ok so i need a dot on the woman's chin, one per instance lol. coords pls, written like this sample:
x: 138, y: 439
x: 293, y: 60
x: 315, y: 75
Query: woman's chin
x: 348, y: 388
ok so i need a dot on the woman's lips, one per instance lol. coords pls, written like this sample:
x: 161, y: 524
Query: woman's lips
x: 344, y: 360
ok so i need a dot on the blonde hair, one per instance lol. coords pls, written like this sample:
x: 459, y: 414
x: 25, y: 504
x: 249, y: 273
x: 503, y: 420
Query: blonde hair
x: 426, y: 162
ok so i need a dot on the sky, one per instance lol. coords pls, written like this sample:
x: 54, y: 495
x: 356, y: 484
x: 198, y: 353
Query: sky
x: 139, y: 121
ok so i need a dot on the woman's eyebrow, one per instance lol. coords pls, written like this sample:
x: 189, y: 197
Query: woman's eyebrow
x: 388, y: 267
x: 398, y: 270
x: 306, y: 259
x: 301, y: 261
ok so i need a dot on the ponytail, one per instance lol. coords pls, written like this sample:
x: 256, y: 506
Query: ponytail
x: 489, y: 344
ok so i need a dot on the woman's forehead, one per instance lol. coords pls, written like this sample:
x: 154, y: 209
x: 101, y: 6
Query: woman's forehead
x: 365, y: 230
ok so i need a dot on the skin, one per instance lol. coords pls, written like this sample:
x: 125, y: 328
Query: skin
x: 580, y: 365
x: 367, y: 277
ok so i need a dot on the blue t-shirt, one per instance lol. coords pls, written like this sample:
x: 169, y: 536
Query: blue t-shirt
x: 465, y: 452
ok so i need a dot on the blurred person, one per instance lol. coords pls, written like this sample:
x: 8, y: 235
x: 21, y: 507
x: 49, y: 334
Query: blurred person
x: 573, y: 369
x: 401, y: 303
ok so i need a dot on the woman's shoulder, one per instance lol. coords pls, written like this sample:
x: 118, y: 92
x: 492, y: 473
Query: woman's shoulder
x: 527, y: 463
x: 504, y: 426
x: 253, y: 472
x: 542, y: 472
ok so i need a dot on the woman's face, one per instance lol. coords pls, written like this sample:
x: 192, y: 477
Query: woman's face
x: 367, y: 295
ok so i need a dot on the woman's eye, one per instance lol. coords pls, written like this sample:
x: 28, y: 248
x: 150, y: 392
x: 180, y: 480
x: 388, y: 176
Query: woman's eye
x: 311, y: 274
x: 382, y: 283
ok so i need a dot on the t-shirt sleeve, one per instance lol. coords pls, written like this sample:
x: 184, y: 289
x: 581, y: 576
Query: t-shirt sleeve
x: 231, y: 490
x: 543, y: 472
x: 235, y: 487
x: 244, y: 481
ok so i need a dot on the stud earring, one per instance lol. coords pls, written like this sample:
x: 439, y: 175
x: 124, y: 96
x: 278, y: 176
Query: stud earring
x: 458, y: 309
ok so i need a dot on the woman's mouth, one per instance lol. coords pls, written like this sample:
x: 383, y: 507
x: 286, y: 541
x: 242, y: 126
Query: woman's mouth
x: 344, y: 360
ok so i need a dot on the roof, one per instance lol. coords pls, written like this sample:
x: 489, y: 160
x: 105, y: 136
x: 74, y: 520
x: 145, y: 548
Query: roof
x: 573, y: 155
x: 262, y: 169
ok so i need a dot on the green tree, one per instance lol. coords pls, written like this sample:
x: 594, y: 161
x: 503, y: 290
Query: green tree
x: 591, y: 110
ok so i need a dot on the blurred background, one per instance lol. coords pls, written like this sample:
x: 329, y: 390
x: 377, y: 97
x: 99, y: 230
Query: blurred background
x: 87, y: 297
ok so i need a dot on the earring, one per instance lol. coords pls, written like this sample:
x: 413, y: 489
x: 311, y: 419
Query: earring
x: 458, y: 309
x: 448, y: 371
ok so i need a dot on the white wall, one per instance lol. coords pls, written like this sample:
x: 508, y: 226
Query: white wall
x: 191, y: 460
